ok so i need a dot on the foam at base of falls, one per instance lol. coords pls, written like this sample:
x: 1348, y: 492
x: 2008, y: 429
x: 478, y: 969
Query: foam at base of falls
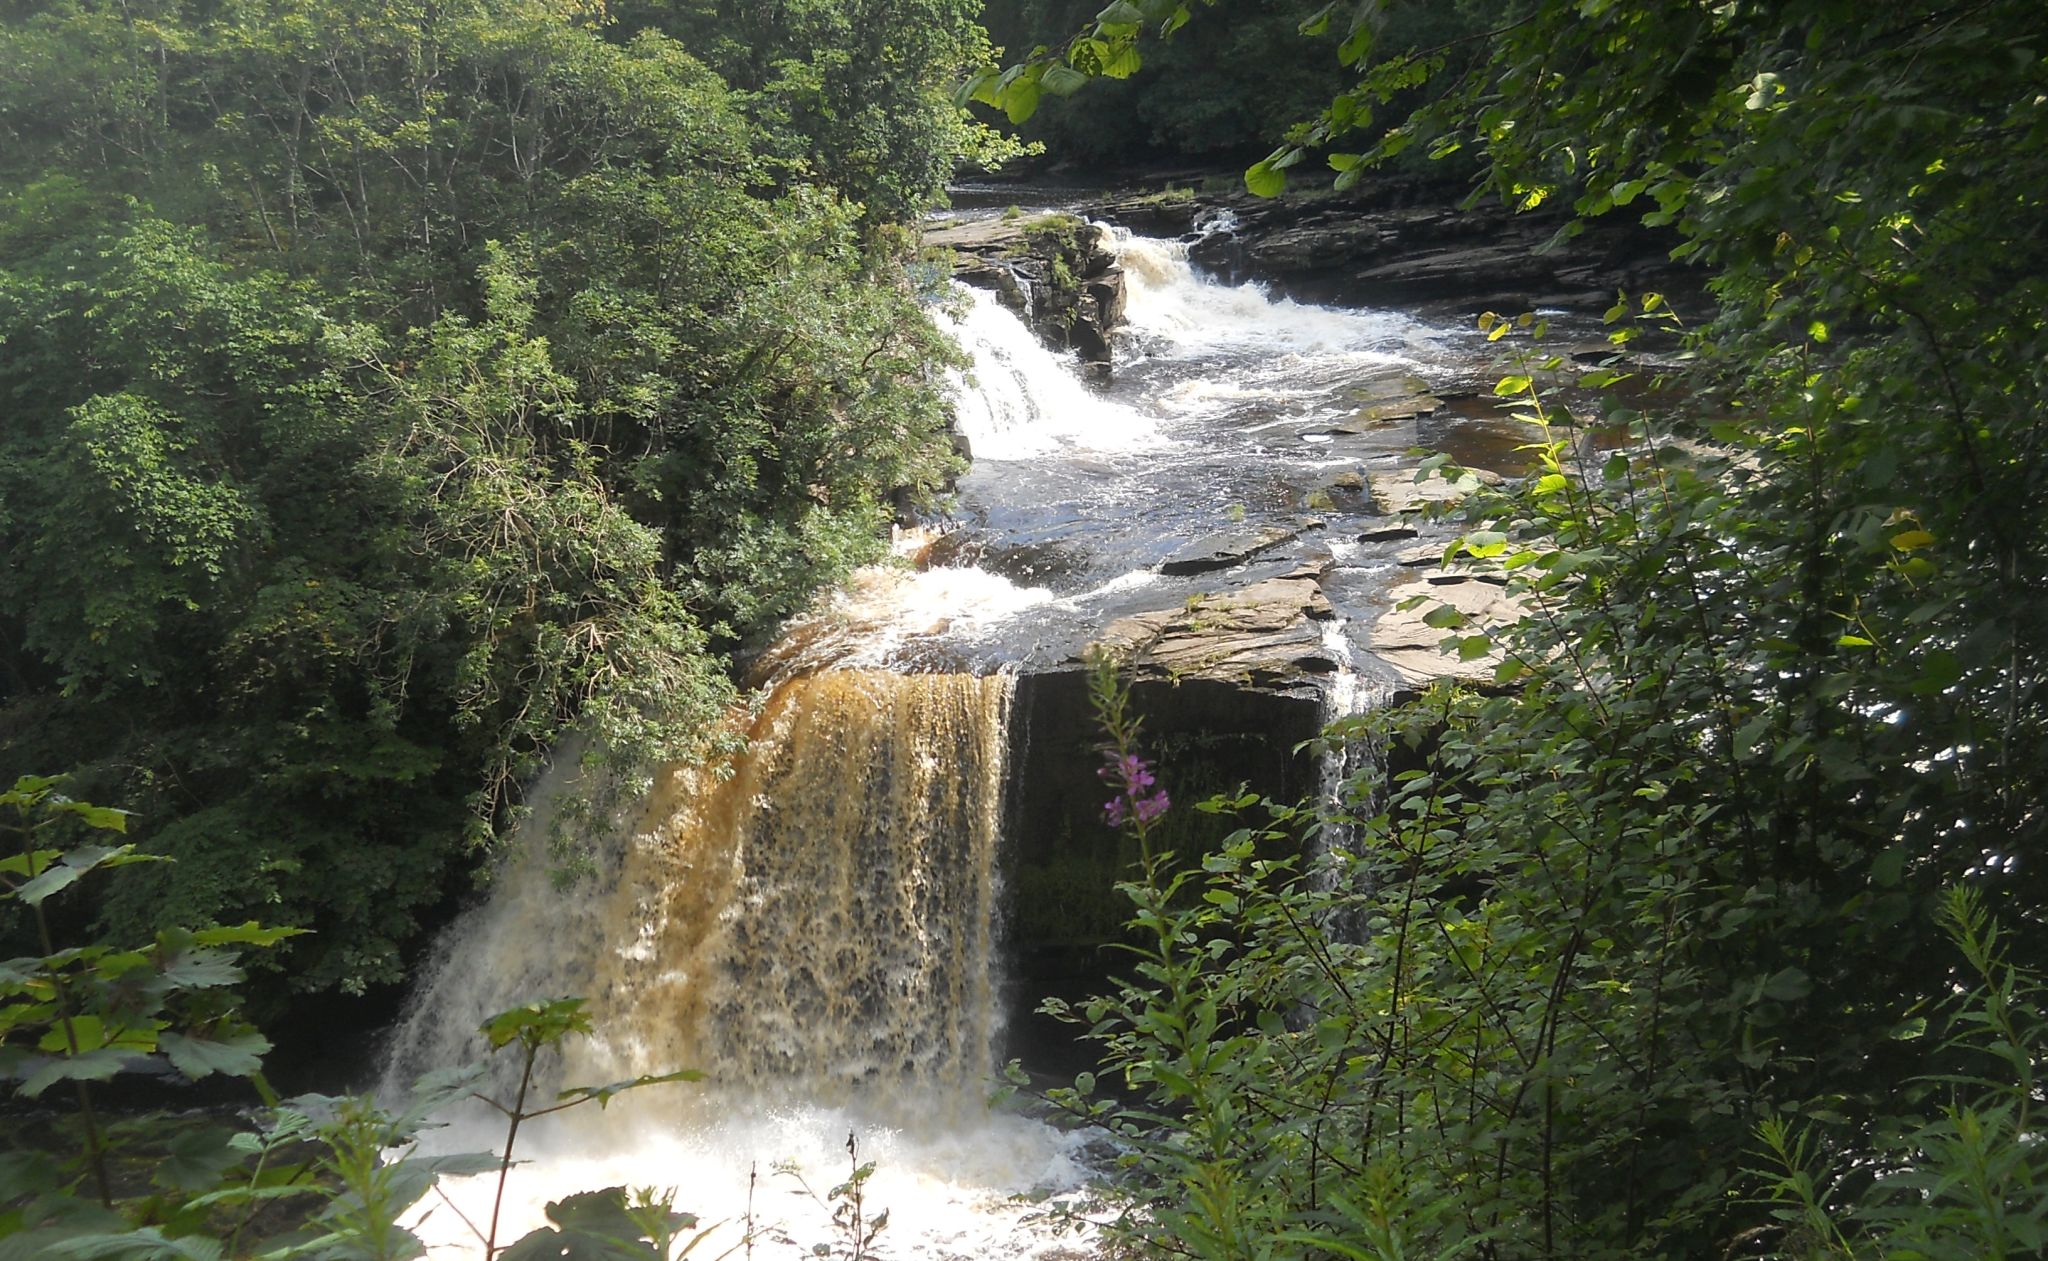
x: 950, y: 1191
x: 812, y: 926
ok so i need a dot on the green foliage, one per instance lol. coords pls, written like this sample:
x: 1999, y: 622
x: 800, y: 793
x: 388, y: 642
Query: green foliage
x: 1679, y: 874
x: 857, y: 1228
x: 1677, y: 878
x: 391, y: 392
x: 83, y: 1013
x: 1961, y: 1179
x: 855, y: 91
x: 1212, y: 88
x: 344, y: 1172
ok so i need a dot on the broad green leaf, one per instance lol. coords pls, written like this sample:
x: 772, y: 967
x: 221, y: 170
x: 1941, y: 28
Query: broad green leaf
x: 604, y: 1094
x: 1484, y: 544
x: 1263, y: 179
x: 1020, y: 100
x: 146, y: 1244
x: 93, y: 1066
x: 1063, y: 80
x: 248, y: 933
x: 73, y: 865
x: 1123, y: 62
x: 202, y: 968
x: 541, y: 1023
x: 90, y: 1033
x: 1788, y: 985
x: 101, y: 817
x: 593, y: 1226
x: 32, y: 861
x: 1444, y: 617
x: 1911, y: 540
x: 194, y: 1160
x: 238, y: 1055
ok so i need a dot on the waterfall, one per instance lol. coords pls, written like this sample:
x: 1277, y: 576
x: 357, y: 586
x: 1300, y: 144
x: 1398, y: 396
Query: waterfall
x: 817, y: 918
x: 1024, y: 401
x: 1351, y: 780
x: 810, y: 924
x: 493, y: 956
x: 1172, y: 307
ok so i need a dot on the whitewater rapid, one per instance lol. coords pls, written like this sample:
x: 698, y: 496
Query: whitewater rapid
x: 814, y: 924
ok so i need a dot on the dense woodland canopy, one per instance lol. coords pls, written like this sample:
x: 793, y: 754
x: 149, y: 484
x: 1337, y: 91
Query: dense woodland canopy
x: 1657, y: 951
x: 387, y: 387
x: 386, y: 390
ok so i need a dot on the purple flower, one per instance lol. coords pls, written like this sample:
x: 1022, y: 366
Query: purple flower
x: 1150, y: 808
x: 1130, y: 776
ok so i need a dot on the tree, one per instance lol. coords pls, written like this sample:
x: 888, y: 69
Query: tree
x: 391, y: 392
x: 1685, y: 875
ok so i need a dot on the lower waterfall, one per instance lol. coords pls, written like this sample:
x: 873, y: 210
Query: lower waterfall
x: 812, y: 925
x: 820, y: 918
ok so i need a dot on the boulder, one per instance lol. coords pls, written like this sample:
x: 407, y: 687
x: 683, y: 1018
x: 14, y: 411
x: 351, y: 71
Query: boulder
x: 1055, y: 270
x: 1229, y: 548
x: 1266, y: 637
x: 1401, y: 492
x: 1405, y: 640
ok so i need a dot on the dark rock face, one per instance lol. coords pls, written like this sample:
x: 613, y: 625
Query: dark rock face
x: 1404, y: 241
x: 1233, y: 547
x: 1061, y: 861
x: 1054, y: 270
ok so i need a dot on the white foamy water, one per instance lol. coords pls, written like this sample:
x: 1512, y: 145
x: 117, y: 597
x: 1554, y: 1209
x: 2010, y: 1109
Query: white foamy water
x: 885, y: 617
x: 1176, y: 310
x: 952, y: 1192
x: 812, y: 926
x: 1024, y: 401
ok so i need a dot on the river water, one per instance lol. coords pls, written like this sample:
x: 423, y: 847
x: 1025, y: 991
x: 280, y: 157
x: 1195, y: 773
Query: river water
x: 814, y: 924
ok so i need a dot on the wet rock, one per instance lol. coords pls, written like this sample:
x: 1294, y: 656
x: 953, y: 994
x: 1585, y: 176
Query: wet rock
x: 1265, y: 637
x: 1230, y: 548
x: 1055, y: 270
x: 1321, y: 243
x: 1401, y: 492
x: 1388, y: 534
x: 1404, y: 639
x: 1107, y: 288
x: 1406, y: 240
x: 1374, y: 417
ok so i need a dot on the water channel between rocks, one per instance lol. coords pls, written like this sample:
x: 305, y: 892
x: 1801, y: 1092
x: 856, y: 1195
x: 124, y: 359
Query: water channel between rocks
x: 819, y: 924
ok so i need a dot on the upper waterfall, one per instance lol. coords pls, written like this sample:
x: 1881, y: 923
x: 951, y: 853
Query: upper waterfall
x: 1023, y: 400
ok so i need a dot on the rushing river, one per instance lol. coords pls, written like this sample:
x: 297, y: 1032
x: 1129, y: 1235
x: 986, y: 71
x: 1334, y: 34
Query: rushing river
x: 815, y: 924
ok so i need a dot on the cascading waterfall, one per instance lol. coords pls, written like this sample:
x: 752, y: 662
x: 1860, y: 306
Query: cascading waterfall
x: 811, y: 925
x: 818, y: 917
x: 495, y: 955
x: 1024, y: 401
x: 1351, y: 780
